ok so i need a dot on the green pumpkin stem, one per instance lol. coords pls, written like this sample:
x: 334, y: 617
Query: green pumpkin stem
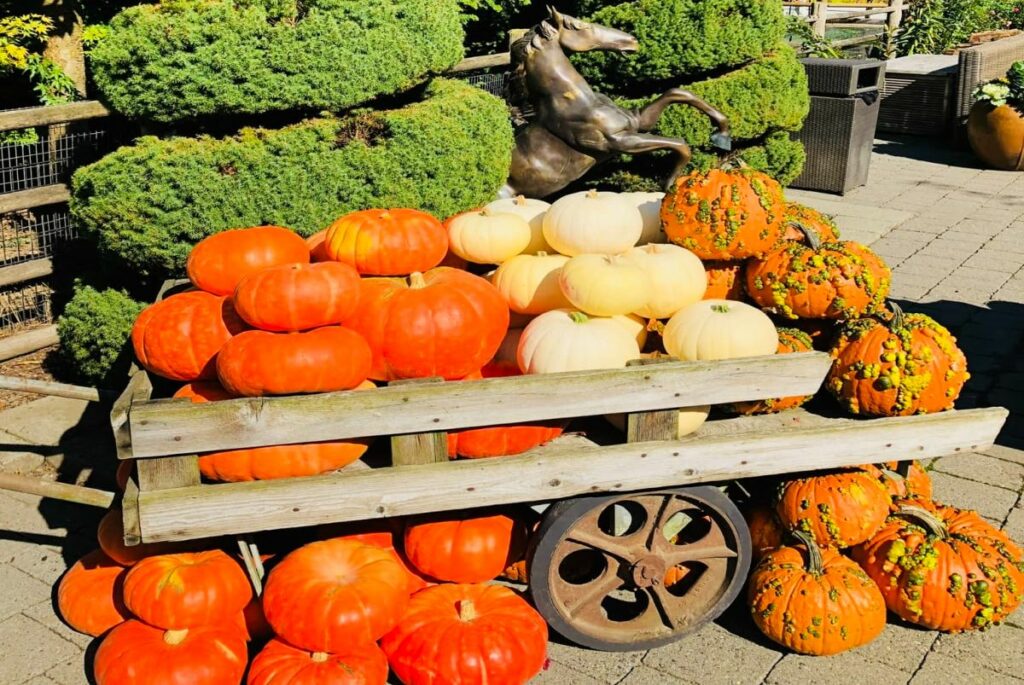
x: 927, y: 519
x: 896, y: 322
x: 815, y: 564
x: 812, y: 236
x: 578, y: 317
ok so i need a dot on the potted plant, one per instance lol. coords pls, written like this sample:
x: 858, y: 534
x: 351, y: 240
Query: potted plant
x: 995, y: 127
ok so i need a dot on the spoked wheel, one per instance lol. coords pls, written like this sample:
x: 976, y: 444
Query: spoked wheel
x: 641, y: 570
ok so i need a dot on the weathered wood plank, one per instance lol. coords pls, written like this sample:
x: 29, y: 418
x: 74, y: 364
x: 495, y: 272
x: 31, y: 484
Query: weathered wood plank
x: 79, y: 494
x: 164, y: 427
x: 418, y: 448
x: 500, y: 59
x: 167, y: 473
x: 560, y: 469
x: 29, y: 341
x: 36, y: 197
x: 26, y: 271
x: 29, y: 117
x: 139, y: 388
x: 75, y: 392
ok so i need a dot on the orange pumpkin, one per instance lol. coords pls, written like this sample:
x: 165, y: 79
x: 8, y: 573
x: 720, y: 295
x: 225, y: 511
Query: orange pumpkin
x: 721, y: 214
x: 381, y: 536
x: 297, y: 297
x: 275, y: 461
x: 317, y: 244
x: 798, y: 217
x: 820, y: 280
x: 123, y: 473
x: 110, y: 536
x: 916, y: 485
x: 134, y: 653
x: 217, y: 263
x: 387, y: 242
x: 359, y: 593
x: 179, y: 337
x: 464, y: 549
x: 443, y: 322
x: 766, y: 532
x: 835, y: 509
x: 467, y: 634
x: 255, y: 622
x: 725, y: 280
x: 790, y: 340
x: 89, y: 594
x: 325, y: 359
x: 824, y: 605
x: 187, y: 589
x: 946, y: 569
x: 907, y: 365
x: 281, y: 664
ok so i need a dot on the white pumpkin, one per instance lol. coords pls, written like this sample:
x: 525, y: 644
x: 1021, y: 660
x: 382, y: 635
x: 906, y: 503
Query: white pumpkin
x: 604, y: 285
x: 487, y: 237
x: 635, y: 325
x: 531, y: 210
x: 567, y: 340
x: 719, y: 329
x: 592, y: 222
x: 676, y: 278
x: 529, y: 283
x: 690, y: 419
x: 649, y: 205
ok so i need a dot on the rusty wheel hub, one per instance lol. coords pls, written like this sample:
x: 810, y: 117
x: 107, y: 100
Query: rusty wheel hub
x: 649, y: 571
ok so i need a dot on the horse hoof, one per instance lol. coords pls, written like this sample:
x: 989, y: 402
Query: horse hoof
x: 722, y: 140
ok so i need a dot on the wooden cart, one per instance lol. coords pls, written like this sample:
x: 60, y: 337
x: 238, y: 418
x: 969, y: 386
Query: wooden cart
x: 601, y: 552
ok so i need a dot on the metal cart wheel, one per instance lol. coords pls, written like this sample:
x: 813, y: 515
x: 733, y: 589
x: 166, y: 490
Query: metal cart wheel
x: 639, y: 570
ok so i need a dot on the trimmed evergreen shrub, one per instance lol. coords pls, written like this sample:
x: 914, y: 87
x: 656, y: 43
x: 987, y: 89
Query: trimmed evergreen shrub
x: 94, y: 329
x: 148, y: 203
x: 186, y: 58
x: 777, y: 155
x: 680, y: 37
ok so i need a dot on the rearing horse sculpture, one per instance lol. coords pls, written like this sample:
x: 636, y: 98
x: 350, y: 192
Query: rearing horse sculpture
x: 575, y: 128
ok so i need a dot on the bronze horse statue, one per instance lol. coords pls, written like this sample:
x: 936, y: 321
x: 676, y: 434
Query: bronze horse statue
x: 574, y: 128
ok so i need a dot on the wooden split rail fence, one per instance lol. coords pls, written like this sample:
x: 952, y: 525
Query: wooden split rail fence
x: 848, y: 14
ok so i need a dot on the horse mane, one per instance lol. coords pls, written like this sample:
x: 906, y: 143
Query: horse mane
x: 516, y: 92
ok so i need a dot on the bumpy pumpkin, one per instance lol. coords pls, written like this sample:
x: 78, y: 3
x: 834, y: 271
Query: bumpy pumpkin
x: 907, y: 365
x: 443, y: 322
x: 819, y: 280
x: 766, y: 532
x: 946, y: 569
x: 487, y: 236
x: 359, y: 592
x: 790, y: 340
x: 565, y: 340
x: 297, y: 297
x: 387, y: 242
x: 604, y: 285
x: 281, y: 664
x: 725, y: 215
x: 467, y: 634
x: 725, y: 280
x: 529, y: 283
x: 533, y: 212
x: 719, y: 329
x: 134, y: 653
x: 179, y: 337
x: 110, y: 536
x: 916, y: 485
x: 325, y: 359
x: 824, y: 605
x: 798, y: 217
x: 187, y: 589
x: 836, y: 509
x: 821, y: 331
x: 464, y: 549
x: 275, y: 461
x: 593, y: 222
x: 675, y: 278
x: 217, y: 263
x: 89, y: 594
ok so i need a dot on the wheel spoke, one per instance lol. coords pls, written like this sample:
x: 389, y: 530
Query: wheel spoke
x: 653, y: 536
x: 592, y: 593
x: 711, y: 546
x: 668, y: 606
x: 598, y: 540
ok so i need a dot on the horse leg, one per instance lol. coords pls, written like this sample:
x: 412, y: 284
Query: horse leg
x: 649, y: 115
x: 633, y: 143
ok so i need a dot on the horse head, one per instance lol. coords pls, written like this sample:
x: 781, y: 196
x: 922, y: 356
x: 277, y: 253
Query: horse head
x: 576, y: 35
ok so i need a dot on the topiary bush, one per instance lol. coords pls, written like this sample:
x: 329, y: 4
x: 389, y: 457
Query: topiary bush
x: 148, y: 203
x: 681, y: 37
x: 94, y: 329
x: 187, y: 58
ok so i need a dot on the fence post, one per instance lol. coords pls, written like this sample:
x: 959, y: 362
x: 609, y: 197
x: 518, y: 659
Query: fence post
x: 895, y: 15
x: 820, y: 17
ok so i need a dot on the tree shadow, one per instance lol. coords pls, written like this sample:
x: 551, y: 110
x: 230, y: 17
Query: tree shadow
x: 926, y: 149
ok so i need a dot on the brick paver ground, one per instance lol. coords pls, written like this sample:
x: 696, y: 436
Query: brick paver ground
x: 954, y: 235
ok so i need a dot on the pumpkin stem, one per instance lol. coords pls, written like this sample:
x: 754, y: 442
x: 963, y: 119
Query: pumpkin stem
x: 720, y: 308
x: 175, y: 637
x: 812, y: 236
x: 894, y: 476
x: 416, y: 280
x: 578, y: 317
x: 896, y: 322
x: 815, y: 564
x: 927, y: 519
x: 485, y: 212
x: 592, y: 193
x: 519, y: 200
x: 319, y: 657
x: 467, y: 612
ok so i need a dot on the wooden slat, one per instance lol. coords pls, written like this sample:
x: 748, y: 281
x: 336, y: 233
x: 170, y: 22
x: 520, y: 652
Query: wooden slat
x: 482, y: 62
x: 78, y: 494
x: 166, y: 427
x: 26, y: 271
x: 560, y: 469
x: 75, y: 392
x: 418, y: 448
x: 36, y: 197
x: 139, y: 388
x: 29, y: 341
x: 51, y: 114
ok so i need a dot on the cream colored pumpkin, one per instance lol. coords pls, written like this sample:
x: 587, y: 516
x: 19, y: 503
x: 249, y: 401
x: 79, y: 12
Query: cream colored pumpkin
x: 567, y: 340
x: 690, y: 419
x: 719, y: 329
x: 531, y: 210
x: 487, y: 237
x: 592, y: 222
x: 676, y: 278
x: 649, y: 205
x: 604, y: 285
x: 529, y: 283
x: 636, y: 326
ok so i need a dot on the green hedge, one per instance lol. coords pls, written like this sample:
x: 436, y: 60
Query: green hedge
x: 186, y: 58
x: 93, y: 331
x: 146, y: 204
x: 679, y: 37
x: 767, y: 95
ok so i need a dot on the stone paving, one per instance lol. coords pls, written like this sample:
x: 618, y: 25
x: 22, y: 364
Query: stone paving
x: 954, y: 235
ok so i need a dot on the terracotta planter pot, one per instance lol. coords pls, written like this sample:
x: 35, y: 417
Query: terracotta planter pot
x: 997, y: 136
